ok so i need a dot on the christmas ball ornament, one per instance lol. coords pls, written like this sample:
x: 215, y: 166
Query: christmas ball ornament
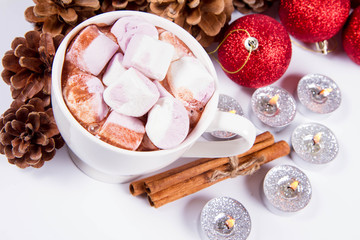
x: 313, y: 20
x: 255, y: 51
x: 351, y: 36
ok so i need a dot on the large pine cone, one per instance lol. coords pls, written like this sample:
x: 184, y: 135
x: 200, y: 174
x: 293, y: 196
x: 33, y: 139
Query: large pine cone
x: 60, y: 16
x: 27, y: 67
x: 256, y: 6
x: 113, y: 5
x: 202, y: 19
x: 29, y: 135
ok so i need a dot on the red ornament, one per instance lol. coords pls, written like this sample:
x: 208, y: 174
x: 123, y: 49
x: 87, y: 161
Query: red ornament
x: 262, y: 66
x: 313, y: 20
x: 351, y: 36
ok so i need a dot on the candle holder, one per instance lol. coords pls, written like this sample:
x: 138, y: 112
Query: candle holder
x: 286, y: 190
x: 224, y: 218
x: 318, y: 96
x: 314, y: 145
x: 225, y: 104
x: 273, y: 108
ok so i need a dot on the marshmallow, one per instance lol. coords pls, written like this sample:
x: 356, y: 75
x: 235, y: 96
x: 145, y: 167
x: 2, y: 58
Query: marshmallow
x: 126, y: 27
x: 114, y: 69
x: 83, y: 96
x: 91, y: 50
x: 168, y: 123
x: 190, y: 81
x: 132, y: 94
x: 147, y: 145
x: 122, y: 131
x: 162, y: 90
x: 181, y: 49
x: 150, y: 56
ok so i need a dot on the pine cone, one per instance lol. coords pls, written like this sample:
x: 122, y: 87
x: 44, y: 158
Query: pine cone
x: 257, y: 6
x: 202, y: 19
x: 27, y: 67
x: 60, y: 16
x: 29, y: 135
x: 113, y: 5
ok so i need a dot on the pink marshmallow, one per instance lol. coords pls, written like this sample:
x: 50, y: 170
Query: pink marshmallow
x: 122, y: 131
x: 150, y: 56
x: 91, y: 50
x: 83, y: 96
x: 114, y: 69
x: 126, y: 27
x: 190, y: 81
x: 132, y: 94
x: 181, y: 49
x: 168, y: 123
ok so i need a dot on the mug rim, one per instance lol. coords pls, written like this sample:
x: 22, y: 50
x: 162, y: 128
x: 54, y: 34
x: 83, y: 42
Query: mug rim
x: 109, y: 18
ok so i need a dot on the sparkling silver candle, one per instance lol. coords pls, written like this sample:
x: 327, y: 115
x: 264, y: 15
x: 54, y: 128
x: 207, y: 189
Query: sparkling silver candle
x: 224, y: 218
x: 227, y: 104
x: 317, y: 95
x: 313, y: 145
x: 286, y: 190
x: 273, y: 108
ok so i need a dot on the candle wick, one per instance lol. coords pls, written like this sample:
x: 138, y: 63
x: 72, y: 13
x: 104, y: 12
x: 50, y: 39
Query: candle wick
x: 316, y: 138
x: 325, y: 92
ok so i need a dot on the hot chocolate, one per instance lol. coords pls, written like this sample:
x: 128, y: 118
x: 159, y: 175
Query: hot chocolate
x: 134, y: 85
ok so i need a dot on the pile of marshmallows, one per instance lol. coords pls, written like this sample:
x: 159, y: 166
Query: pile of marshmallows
x: 119, y: 81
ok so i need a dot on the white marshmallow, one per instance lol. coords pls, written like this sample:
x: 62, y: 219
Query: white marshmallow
x: 190, y: 81
x: 150, y: 56
x: 91, y: 50
x: 162, y: 90
x: 114, y: 69
x: 168, y: 123
x: 132, y: 94
x: 83, y: 96
x: 122, y: 131
x: 126, y: 27
x: 181, y: 49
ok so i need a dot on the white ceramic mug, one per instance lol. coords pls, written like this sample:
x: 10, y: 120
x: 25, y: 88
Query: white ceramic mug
x: 108, y: 163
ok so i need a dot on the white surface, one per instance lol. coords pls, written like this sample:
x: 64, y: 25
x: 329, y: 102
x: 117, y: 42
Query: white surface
x: 60, y: 202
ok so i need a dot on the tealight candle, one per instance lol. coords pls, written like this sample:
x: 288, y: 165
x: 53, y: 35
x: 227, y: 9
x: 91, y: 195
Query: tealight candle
x: 273, y: 108
x: 227, y: 104
x: 286, y: 190
x: 314, y: 145
x: 224, y: 218
x: 318, y: 95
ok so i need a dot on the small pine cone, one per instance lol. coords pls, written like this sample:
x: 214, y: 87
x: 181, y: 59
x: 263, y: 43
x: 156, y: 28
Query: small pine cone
x: 113, y: 5
x: 202, y: 19
x: 27, y: 66
x: 256, y: 6
x: 29, y: 135
x: 60, y: 16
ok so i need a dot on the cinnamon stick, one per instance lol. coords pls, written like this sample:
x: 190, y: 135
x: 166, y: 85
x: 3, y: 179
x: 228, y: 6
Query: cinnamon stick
x: 202, y: 181
x: 165, y: 182
x: 138, y: 187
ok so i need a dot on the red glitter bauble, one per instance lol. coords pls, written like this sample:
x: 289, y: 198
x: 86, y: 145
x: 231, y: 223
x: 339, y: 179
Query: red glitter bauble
x: 313, y: 20
x: 267, y: 63
x: 351, y: 36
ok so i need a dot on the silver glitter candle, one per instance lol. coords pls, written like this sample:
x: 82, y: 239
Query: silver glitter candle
x: 313, y: 145
x: 273, y: 108
x: 318, y: 96
x: 224, y: 218
x: 286, y: 190
x: 227, y: 104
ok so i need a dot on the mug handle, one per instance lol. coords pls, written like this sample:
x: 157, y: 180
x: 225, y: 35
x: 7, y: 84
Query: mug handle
x: 230, y: 122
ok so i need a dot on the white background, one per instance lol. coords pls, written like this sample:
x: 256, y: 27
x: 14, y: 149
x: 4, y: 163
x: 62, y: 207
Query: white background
x: 59, y: 202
